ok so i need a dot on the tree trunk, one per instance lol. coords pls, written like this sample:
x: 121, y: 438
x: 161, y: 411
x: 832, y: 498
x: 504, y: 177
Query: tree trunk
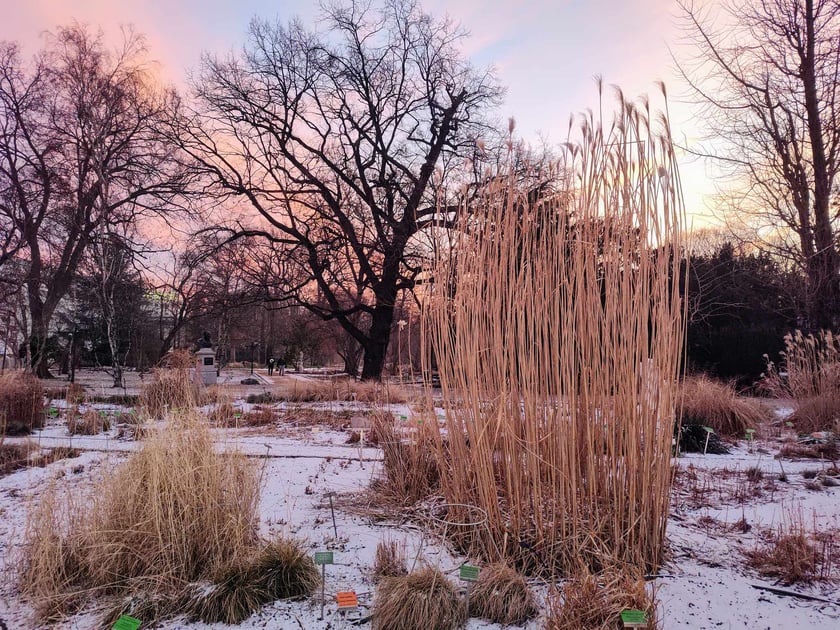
x: 40, y: 322
x: 377, y: 343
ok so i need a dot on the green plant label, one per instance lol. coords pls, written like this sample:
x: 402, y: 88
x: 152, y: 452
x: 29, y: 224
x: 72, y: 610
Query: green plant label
x: 750, y: 433
x: 237, y: 415
x: 102, y: 414
x: 323, y: 557
x: 53, y: 412
x: 708, y: 429
x: 789, y: 425
x: 634, y: 618
x: 468, y: 573
x: 127, y: 623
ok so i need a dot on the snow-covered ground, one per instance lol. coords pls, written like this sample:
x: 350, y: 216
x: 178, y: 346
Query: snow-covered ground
x: 718, y: 514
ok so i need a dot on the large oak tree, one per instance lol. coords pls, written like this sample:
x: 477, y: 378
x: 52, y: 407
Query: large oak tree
x: 335, y: 139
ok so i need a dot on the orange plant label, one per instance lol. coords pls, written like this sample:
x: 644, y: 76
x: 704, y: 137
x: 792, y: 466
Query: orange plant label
x: 347, y: 599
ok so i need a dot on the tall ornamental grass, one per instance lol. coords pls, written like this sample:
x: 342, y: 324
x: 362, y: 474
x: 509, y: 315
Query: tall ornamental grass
x: 556, y: 325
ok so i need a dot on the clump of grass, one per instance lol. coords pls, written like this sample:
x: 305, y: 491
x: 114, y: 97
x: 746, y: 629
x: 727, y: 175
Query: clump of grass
x: 280, y: 570
x: 422, y: 600
x: 342, y: 389
x: 595, y: 601
x: 812, y: 363
x: 73, y: 393
x: 390, y: 560
x: 222, y: 413
x: 171, y: 514
x: 261, y: 399
x: 54, y: 455
x: 501, y: 595
x: 259, y: 417
x: 821, y: 450
x: 794, y: 555
x: 410, y: 468
x: 717, y: 405
x: 15, y: 456
x: 90, y: 422
x: 817, y: 413
x: 21, y: 403
x: 52, y: 568
x: 171, y: 388
x: 126, y: 400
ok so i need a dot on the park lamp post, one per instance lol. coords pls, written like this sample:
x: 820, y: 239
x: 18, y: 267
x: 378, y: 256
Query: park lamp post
x: 254, y: 344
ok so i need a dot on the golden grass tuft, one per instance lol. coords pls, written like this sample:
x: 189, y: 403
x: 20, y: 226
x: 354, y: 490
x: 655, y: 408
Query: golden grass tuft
x: 15, y: 456
x: 709, y: 403
x: 502, y: 595
x: 339, y: 389
x: 53, y: 569
x: 792, y: 554
x: 170, y: 389
x: 410, y: 468
x: 595, y: 602
x: 90, y: 422
x: 172, y: 513
x: 21, y: 403
x: 390, y: 560
x: 555, y: 322
x: 817, y: 413
x: 422, y: 600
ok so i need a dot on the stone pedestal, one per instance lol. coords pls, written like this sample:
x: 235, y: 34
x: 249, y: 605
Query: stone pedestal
x: 205, y: 366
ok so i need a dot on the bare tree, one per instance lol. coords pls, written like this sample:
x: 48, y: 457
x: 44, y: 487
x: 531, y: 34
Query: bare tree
x: 335, y: 140
x: 80, y: 148
x: 769, y: 86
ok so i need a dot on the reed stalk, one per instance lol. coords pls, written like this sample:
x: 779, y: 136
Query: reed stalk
x: 557, y: 326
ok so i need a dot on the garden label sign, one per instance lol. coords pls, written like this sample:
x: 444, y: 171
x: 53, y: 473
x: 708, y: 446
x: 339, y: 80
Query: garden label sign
x: 709, y: 431
x: 346, y: 600
x: 127, y: 623
x: 323, y: 558
x: 634, y: 618
x: 469, y: 574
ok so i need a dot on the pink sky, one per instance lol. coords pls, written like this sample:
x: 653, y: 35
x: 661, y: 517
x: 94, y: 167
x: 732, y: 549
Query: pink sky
x: 545, y: 51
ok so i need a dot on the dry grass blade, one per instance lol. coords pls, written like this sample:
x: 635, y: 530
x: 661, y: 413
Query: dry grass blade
x: 501, y: 595
x: 422, y: 600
